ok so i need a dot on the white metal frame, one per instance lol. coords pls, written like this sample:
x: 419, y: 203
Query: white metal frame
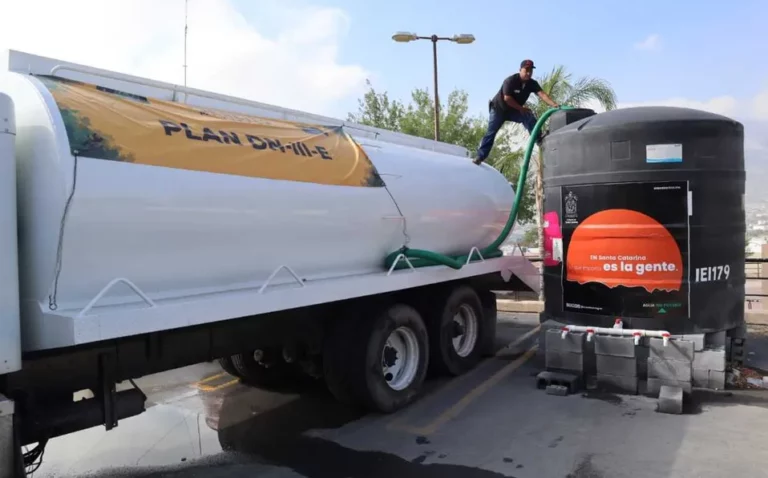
x: 96, y: 323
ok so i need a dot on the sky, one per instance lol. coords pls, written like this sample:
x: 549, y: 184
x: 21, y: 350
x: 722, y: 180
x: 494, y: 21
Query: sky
x: 315, y: 55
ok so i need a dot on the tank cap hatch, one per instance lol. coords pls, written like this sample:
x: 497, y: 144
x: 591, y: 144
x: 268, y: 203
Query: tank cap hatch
x: 563, y: 118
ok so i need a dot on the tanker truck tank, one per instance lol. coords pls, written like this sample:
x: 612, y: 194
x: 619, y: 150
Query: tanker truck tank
x: 645, y: 220
x: 10, y: 351
x: 184, y: 201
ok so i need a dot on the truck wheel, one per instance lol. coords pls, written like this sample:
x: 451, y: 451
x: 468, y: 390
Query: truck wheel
x: 265, y: 370
x: 458, y: 333
x: 226, y: 364
x: 379, y: 364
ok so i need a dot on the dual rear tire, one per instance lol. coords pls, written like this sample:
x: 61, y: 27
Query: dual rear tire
x: 380, y: 363
x: 458, y: 330
x: 268, y: 372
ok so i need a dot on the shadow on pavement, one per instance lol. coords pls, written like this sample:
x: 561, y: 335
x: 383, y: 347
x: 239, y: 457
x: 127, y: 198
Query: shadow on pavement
x: 279, y: 437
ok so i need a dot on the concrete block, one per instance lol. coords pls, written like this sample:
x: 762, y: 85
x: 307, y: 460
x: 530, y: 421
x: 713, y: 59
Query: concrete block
x: 654, y: 385
x: 699, y: 340
x: 681, y: 350
x: 615, y: 346
x: 710, y: 359
x: 6, y: 439
x: 700, y: 378
x: 716, y: 380
x: 619, y: 366
x: 6, y: 406
x: 572, y: 343
x: 710, y: 379
x: 670, y: 370
x: 670, y: 399
x: 621, y: 384
x: 546, y: 325
x: 715, y: 339
x: 558, y: 390
x: 564, y: 361
x: 572, y: 381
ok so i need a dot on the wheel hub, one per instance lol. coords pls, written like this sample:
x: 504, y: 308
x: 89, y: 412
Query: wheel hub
x: 458, y: 329
x: 400, y: 358
x: 390, y: 356
x: 465, y: 330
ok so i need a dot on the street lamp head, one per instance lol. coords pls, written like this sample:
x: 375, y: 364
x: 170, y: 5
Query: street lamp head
x: 404, y: 37
x: 463, y: 38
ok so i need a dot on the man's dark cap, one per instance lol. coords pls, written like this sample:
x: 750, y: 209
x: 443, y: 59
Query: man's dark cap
x: 527, y: 64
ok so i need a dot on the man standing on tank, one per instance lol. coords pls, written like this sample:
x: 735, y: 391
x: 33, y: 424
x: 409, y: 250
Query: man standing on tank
x: 509, y: 105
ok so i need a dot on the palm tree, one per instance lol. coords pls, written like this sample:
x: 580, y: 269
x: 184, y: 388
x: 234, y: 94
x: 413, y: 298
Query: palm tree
x: 583, y: 92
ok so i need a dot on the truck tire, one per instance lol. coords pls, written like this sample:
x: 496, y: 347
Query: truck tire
x: 490, y: 322
x: 278, y: 376
x: 380, y: 363
x: 457, y: 332
x: 228, y: 366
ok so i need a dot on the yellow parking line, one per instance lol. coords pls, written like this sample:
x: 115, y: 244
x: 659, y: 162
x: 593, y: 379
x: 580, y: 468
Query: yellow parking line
x: 211, y: 378
x: 213, y: 388
x: 459, y: 406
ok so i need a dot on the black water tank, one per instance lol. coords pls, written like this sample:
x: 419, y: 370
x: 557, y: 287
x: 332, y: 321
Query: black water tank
x: 644, y: 220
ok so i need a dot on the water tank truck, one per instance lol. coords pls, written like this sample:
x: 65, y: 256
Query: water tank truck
x: 148, y: 227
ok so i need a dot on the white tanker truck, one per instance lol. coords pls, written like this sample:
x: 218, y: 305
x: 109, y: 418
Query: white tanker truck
x: 147, y: 227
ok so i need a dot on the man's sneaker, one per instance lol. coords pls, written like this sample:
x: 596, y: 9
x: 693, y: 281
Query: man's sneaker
x: 477, y: 161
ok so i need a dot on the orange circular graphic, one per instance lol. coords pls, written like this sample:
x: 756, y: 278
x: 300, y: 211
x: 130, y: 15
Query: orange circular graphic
x: 620, y: 247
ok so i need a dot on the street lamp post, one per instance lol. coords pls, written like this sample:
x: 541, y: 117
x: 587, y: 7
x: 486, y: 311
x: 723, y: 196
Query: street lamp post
x: 462, y: 39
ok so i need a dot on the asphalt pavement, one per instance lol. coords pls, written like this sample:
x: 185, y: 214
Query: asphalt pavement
x: 492, y: 422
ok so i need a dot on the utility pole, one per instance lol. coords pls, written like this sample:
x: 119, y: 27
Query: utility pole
x: 462, y: 39
x: 186, y: 31
x: 434, y: 39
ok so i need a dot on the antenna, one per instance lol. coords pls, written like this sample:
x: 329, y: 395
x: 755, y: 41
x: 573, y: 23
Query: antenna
x: 186, y: 28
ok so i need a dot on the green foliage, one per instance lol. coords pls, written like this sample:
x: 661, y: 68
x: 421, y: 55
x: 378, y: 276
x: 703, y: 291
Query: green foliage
x: 559, y: 85
x: 376, y: 109
x: 456, y: 127
x: 530, y: 238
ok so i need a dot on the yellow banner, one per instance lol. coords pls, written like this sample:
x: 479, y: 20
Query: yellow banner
x: 107, y: 124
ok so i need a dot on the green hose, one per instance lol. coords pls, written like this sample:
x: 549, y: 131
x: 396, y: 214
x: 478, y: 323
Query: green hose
x: 422, y: 258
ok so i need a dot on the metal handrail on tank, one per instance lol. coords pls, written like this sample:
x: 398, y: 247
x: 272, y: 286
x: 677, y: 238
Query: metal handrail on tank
x: 471, y: 254
x: 423, y: 258
x: 400, y: 257
x: 109, y: 286
x: 124, y: 78
x: 277, y: 271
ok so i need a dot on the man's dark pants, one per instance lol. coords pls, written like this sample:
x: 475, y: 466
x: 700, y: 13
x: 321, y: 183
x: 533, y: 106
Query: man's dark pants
x: 496, y: 120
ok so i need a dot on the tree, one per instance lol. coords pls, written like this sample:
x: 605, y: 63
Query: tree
x: 530, y: 237
x: 456, y: 127
x: 376, y: 109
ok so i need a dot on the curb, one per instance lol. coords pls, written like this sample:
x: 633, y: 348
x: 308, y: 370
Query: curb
x: 522, y: 306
